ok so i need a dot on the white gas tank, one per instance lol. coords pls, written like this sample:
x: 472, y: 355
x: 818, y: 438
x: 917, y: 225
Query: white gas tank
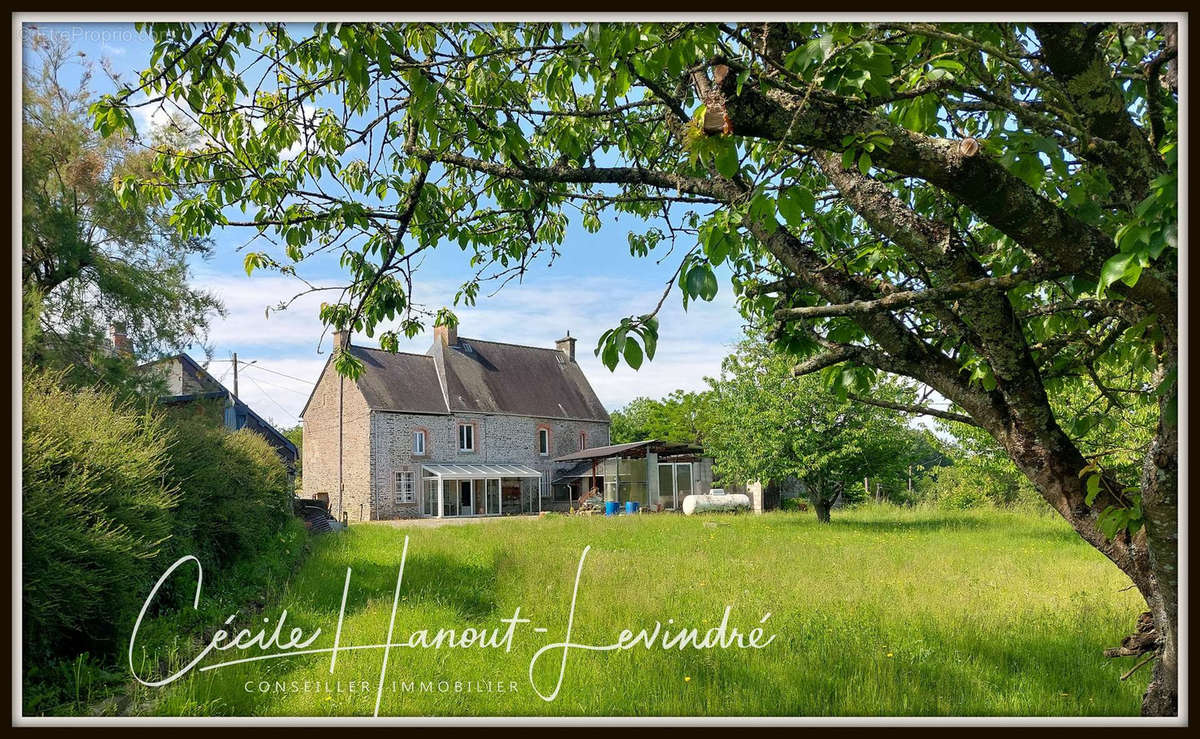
x: 725, y: 502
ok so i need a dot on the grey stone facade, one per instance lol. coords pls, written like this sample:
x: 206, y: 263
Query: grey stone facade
x: 321, y: 446
x: 499, y: 439
x: 376, y: 442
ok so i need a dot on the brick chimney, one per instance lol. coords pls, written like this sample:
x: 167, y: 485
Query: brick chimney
x: 446, y: 335
x: 566, y: 345
x: 341, y: 339
x: 121, y: 344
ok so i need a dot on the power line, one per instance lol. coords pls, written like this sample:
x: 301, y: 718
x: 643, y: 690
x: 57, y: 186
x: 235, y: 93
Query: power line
x: 264, y: 369
x: 303, y: 393
x: 286, y: 412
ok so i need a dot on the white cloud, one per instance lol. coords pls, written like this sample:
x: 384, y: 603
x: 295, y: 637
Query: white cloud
x: 150, y: 117
x: 691, y: 345
x: 113, y: 50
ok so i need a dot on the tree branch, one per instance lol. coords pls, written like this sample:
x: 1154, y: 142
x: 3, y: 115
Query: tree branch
x: 919, y: 409
x: 981, y: 183
x: 821, y: 361
x: 913, y: 297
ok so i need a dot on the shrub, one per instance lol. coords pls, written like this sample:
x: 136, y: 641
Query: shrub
x: 234, y: 492
x: 973, y: 482
x: 112, y: 495
x: 95, y: 513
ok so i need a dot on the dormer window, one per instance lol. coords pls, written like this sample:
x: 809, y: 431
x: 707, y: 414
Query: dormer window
x: 466, y: 437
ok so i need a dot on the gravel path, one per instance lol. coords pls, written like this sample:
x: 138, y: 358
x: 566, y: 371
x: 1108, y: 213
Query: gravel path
x: 435, y: 522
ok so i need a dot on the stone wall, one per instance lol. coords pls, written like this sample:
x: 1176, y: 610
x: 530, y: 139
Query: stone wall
x: 321, y: 446
x: 498, y: 439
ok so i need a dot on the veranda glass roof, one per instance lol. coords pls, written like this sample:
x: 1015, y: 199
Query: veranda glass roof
x: 478, y: 471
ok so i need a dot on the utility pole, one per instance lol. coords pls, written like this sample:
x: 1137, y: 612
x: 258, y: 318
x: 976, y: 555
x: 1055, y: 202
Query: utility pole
x: 235, y: 385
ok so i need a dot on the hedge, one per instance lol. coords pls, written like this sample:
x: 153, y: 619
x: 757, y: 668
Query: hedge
x: 113, y: 493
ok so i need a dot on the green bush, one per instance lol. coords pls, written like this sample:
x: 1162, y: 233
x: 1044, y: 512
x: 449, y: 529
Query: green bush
x: 114, y: 494
x: 95, y: 513
x: 234, y: 492
x: 974, y: 482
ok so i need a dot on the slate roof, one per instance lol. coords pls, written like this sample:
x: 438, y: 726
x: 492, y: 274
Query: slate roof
x: 399, y: 382
x: 476, y: 376
x: 492, y: 377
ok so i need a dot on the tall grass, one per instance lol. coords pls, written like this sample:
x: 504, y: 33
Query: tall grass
x: 883, y: 612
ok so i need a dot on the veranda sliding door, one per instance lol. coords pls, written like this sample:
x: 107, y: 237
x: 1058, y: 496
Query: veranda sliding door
x: 493, y: 497
x: 429, y: 499
x: 466, y: 497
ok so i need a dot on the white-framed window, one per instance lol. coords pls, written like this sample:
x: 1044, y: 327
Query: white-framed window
x: 466, y: 437
x: 543, y: 441
x: 582, y: 440
x: 405, y: 487
x: 418, y: 447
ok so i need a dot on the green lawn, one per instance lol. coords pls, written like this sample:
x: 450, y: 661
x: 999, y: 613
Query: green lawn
x: 883, y: 612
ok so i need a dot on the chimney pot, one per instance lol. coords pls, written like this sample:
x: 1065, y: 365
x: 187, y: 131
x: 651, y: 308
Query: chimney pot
x: 341, y: 339
x: 566, y: 345
x: 446, y: 335
x: 122, y: 346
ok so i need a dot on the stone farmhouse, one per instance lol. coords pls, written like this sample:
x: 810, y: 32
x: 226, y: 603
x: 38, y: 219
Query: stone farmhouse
x: 470, y: 428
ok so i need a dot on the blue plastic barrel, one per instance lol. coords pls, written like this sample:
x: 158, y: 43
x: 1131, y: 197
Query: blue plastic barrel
x: 610, y: 507
x: 631, y: 506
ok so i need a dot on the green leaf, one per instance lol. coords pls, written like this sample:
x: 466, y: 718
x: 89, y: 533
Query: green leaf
x: 650, y: 339
x: 727, y: 160
x: 1093, y: 489
x: 864, y: 163
x: 1117, y: 267
x: 609, y: 357
x: 633, y: 353
x: 718, y: 243
x: 796, y: 204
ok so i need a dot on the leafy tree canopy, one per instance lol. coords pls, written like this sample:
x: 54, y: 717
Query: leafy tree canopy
x: 680, y: 418
x: 989, y: 209
x: 86, y: 259
x: 765, y: 423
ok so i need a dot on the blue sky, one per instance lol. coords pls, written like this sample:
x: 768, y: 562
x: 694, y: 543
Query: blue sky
x: 590, y: 287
